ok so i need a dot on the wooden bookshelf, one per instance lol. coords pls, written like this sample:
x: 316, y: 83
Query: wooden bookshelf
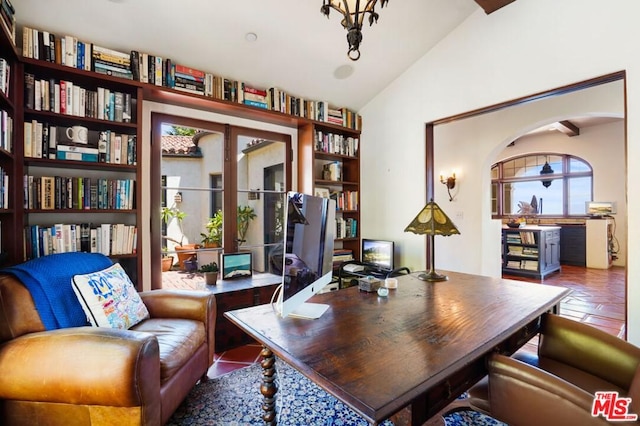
x: 16, y: 217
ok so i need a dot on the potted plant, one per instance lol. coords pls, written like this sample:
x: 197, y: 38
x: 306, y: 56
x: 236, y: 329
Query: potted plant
x: 210, y: 271
x: 213, y: 236
x: 245, y: 215
x: 184, y: 251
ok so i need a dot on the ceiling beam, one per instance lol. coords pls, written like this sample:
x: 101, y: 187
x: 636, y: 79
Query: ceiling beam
x: 491, y: 6
x: 568, y: 128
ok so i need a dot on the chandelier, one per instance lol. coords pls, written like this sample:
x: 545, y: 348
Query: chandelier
x: 546, y: 170
x: 354, y: 12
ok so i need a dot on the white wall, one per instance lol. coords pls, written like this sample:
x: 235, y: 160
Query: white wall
x: 524, y: 48
x: 603, y: 147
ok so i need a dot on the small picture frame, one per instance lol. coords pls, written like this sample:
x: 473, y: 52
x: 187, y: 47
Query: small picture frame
x: 236, y: 265
x: 322, y: 192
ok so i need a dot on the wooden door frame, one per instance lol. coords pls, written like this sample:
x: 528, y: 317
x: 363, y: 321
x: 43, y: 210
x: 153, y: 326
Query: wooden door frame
x: 585, y: 84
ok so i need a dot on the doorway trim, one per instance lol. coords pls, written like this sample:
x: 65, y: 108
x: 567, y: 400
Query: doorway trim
x: 430, y: 139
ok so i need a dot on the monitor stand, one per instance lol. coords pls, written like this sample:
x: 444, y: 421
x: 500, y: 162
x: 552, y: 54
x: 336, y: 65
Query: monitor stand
x: 309, y: 310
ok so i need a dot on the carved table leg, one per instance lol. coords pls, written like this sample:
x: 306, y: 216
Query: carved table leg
x: 268, y: 388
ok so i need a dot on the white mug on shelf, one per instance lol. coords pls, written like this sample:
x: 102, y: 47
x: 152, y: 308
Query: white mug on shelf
x: 77, y: 134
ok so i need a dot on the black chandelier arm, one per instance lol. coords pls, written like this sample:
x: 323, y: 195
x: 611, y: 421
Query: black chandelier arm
x: 352, y: 21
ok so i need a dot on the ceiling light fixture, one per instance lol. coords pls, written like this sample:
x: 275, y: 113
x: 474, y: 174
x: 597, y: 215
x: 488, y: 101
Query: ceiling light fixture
x: 354, y: 12
x: 546, y: 170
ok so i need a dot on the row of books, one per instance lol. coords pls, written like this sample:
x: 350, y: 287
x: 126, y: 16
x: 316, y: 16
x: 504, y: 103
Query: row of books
x: 8, y: 18
x: 65, y: 97
x: 108, y: 239
x: 342, y: 255
x: 529, y: 265
x: 332, y: 171
x: 523, y: 251
x: 78, y: 193
x: 521, y: 237
x: 345, y: 200
x: 4, y: 189
x: 6, y: 131
x: 346, y: 228
x: 5, y: 76
x: 42, y: 140
x: 334, y: 143
x: 153, y: 69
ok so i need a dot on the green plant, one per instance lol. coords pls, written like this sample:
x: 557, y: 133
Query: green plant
x: 213, y: 235
x: 245, y: 215
x: 209, y: 267
x: 168, y: 214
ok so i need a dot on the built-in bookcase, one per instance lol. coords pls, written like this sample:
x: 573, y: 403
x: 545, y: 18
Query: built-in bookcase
x: 35, y: 105
x: 79, y: 195
x: 329, y: 165
x: 9, y: 170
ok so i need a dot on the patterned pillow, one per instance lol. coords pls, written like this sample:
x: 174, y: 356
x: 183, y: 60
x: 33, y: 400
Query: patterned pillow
x: 109, y: 298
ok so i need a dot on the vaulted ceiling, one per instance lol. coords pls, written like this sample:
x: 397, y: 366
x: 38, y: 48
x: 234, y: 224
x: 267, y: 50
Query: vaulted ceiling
x: 296, y: 48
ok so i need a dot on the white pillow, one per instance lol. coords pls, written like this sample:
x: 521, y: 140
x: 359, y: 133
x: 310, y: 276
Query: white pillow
x: 109, y: 298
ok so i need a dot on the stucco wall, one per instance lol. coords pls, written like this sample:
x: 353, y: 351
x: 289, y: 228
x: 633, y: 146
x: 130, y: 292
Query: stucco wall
x: 524, y: 48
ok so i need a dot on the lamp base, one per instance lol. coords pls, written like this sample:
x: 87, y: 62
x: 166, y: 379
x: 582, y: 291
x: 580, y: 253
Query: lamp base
x: 432, y: 276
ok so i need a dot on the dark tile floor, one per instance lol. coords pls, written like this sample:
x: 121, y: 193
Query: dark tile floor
x: 597, y: 298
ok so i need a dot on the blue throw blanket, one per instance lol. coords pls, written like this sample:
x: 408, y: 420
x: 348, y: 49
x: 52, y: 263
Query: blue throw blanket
x: 49, y: 278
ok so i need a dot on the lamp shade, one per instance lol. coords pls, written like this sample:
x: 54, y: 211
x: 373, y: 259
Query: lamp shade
x: 432, y: 221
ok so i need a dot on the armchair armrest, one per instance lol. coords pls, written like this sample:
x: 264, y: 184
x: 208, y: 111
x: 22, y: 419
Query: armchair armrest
x: 588, y: 349
x: 84, y: 365
x: 194, y: 305
x: 523, y: 395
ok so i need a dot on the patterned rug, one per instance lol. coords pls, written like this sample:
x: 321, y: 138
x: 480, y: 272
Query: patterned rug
x: 235, y: 400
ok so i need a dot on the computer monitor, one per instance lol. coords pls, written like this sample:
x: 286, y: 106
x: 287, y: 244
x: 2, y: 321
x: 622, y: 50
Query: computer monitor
x: 308, y: 254
x: 377, y: 254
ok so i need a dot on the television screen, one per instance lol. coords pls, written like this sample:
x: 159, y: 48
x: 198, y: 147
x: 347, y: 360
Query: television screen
x: 308, y: 254
x: 600, y: 208
x: 236, y: 265
x: 377, y: 253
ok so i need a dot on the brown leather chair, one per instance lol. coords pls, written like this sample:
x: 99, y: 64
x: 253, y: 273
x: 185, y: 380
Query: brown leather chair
x: 557, y: 386
x: 102, y: 376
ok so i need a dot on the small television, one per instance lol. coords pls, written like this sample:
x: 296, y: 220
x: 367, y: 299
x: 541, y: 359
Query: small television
x: 236, y: 265
x: 377, y: 254
x: 307, y: 264
x: 600, y: 208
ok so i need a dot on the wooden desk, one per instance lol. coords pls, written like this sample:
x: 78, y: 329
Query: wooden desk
x: 421, y: 347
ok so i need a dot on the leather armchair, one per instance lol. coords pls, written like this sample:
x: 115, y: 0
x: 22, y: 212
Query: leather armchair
x: 574, y: 360
x: 102, y: 376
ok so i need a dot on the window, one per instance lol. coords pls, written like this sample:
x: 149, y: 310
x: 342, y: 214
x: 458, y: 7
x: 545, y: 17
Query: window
x: 219, y: 189
x: 556, y: 185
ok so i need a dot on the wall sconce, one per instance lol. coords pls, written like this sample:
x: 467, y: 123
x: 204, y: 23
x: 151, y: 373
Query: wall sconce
x: 450, y: 182
x: 177, y: 198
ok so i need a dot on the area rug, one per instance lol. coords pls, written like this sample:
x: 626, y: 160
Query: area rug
x: 235, y: 400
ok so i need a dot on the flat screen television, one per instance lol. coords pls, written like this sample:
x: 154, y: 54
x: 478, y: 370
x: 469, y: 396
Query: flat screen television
x: 307, y: 263
x: 600, y: 208
x: 377, y: 254
x: 236, y: 265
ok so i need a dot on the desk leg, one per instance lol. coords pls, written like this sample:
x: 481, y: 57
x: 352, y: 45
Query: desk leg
x: 268, y: 388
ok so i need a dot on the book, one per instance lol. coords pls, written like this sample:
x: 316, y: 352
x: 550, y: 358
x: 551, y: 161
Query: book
x: 255, y: 104
x: 76, y: 156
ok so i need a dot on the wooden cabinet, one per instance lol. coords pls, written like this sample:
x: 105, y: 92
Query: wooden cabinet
x: 532, y: 251
x: 237, y: 294
x: 329, y: 164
